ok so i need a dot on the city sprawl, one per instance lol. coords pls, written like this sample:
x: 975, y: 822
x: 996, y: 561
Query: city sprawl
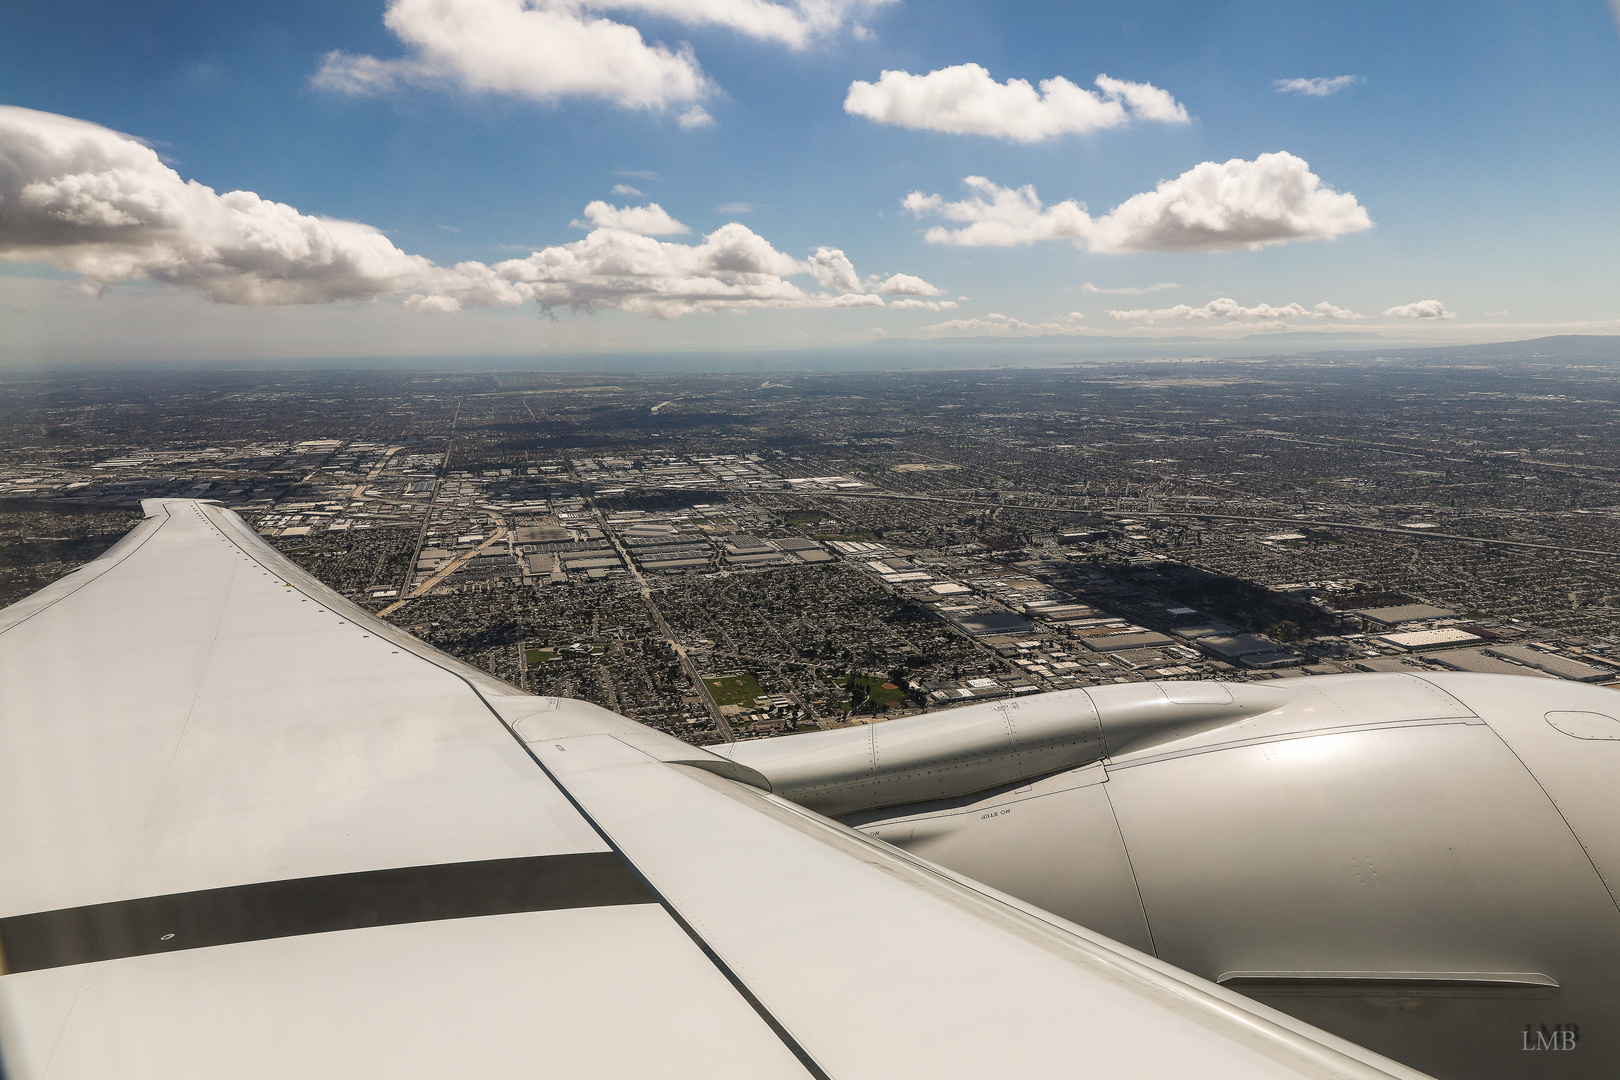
x: 733, y: 556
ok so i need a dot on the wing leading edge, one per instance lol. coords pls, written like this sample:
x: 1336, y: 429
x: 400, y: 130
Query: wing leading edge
x: 248, y: 830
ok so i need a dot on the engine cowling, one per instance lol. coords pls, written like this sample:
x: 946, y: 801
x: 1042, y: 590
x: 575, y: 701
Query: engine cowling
x: 1426, y: 865
x: 977, y: 747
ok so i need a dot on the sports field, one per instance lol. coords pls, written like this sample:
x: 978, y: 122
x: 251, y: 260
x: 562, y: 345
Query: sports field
x: 880, y: 691
x: 734, y: 689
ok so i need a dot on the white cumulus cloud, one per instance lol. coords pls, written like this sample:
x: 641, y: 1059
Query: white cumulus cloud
x: 104, y: 206
x: 1229, y: 309
x: 906, y: 285
x: 1423, y: 309
x: 1273, y: 199
x: 732, y: 267
x: 833, y: 270
x: 966, y: 100
x: 694, y: 116
x: 543, y: 51
x: 649, y: 220
x: 551, y: 49
x: 1001, y: 217
x: 997, y: 323
x: 626, y: 189
x: 1315, y: 87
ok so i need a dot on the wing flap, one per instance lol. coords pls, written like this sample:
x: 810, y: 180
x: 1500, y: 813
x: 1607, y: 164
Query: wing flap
x: 584, y: 992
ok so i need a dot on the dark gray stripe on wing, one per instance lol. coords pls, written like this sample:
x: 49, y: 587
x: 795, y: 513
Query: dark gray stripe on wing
x: 316, y: 905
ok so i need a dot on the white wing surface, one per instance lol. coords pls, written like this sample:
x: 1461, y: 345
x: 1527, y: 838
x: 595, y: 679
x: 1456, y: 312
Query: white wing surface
x: 248, y: 831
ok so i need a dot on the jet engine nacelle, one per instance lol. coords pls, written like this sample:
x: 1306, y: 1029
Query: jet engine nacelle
x: 969, y: 749
x: 1426, y: 865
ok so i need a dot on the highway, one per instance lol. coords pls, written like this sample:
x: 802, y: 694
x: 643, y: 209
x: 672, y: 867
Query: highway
x: 451, y: 567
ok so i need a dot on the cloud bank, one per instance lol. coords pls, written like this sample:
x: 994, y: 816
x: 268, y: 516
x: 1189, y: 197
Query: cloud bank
x: 545, y: 50
x: 923, y: 305
x: 1315, y: 87
x: 997, y: 323
x: 966, y: 100
x: 1423, y: 309
x: 102, y: 205
x: 1230, y: 310
x: 1274, y: 199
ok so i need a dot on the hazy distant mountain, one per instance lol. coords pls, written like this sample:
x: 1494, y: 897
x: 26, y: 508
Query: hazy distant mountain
x: 1564, y: 348
x: 1291, y: 336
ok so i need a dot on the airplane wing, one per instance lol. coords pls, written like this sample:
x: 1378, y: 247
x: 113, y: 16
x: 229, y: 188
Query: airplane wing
x: 247, y: 830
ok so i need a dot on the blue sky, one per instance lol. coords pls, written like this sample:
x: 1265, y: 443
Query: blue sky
x: 1477, y: 141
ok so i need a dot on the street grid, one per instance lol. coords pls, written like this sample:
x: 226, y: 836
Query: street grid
x: 857, y: 546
